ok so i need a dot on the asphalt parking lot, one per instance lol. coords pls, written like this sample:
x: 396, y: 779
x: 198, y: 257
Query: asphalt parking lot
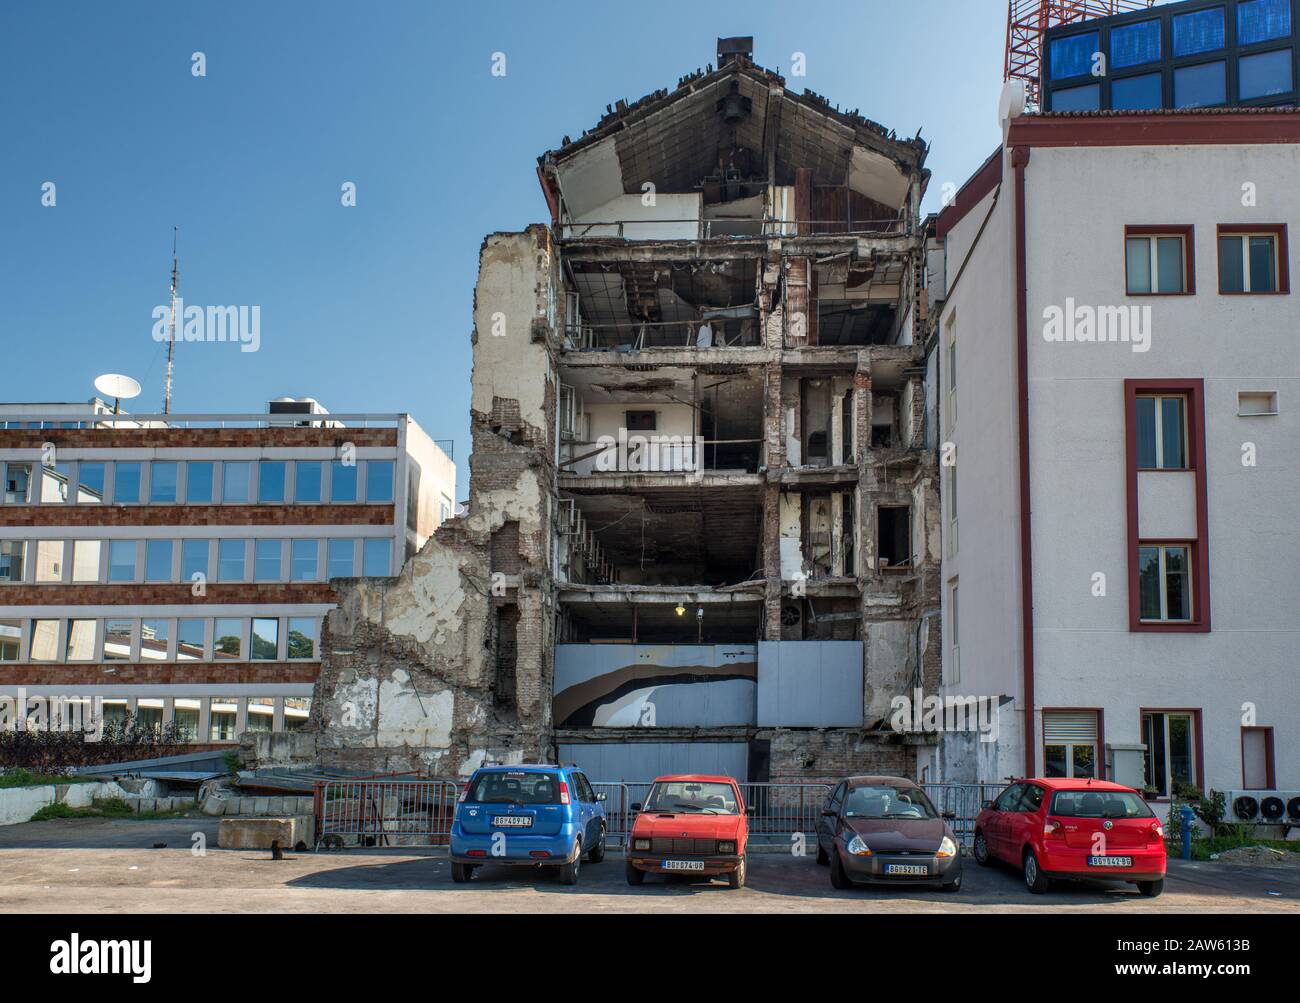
x: 105, y: 865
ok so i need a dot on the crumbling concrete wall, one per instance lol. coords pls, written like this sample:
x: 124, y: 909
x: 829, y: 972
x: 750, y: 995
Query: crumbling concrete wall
x: 450, y: 663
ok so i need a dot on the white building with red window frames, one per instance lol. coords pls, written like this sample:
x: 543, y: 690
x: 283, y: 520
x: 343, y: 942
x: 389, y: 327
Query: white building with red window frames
x: 177, y: 567
x: 1120, y: 559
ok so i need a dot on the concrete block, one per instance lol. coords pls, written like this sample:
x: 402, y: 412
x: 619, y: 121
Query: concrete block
x: 258, y: 833
x: 261, y: 806
x: 19, y: 804
x: 276, y: 806
x: 214, y: 806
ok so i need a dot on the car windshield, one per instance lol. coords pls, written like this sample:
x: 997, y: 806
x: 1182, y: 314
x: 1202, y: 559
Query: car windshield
x: 692, y: 796
x: 1100, y: 804
x: 887, y: 801
x: 515, y: 787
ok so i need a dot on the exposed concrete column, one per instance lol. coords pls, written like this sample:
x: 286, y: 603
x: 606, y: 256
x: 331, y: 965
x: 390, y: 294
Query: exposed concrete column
x: 865, y: 521
x: 772, y: 561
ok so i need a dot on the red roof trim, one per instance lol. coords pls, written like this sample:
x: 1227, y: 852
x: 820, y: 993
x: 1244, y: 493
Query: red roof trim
x: 983, y: 181
x: 1224, y: 128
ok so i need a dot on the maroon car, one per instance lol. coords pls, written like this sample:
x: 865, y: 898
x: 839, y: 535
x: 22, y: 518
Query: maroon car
x: 884, y: 829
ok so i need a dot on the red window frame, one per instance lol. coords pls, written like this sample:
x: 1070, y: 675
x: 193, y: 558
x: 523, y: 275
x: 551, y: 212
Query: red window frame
x: 1199, y: 555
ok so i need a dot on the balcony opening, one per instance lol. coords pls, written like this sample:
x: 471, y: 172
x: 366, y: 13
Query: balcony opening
x: 636, y: 305
x: 669, y: 537
x: 660, y: 622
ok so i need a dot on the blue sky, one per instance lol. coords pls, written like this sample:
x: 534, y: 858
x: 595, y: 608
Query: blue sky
x: 366, y: 308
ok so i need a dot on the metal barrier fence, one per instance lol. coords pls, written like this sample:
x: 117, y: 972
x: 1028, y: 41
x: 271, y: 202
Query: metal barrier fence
x: 419, y: 812
x: 385, y: 812
x: 965, y: 802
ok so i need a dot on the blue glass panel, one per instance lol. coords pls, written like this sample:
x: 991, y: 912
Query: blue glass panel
x: 1135, y: 44
x: 1200, y: 85
x: 1262, y: 20
x: 1130, y: 93
x: 1265, y: 74
x: 1072, y: 56
x: 1200, y: 31
x: 1077, y: 98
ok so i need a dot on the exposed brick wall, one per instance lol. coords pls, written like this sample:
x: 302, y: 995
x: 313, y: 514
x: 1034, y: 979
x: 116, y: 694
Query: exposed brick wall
x: 160, y: 674
x: 207, y: 438
x: 197, y: 515
x: 260, y: 594
x: 810, y: 756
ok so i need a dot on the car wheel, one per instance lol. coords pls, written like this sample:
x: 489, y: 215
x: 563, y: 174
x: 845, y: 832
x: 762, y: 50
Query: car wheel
x: 981, y: 850
x: 569, y: 870
x: 1151, y: 888
x: 736, y: 879
x: 954, y: 884
x: 838, y: 878
x: 1035, y: 880
x: 635, y: 875
x: 460, y: 873
x: 823, y: 857
x: 597, y: 853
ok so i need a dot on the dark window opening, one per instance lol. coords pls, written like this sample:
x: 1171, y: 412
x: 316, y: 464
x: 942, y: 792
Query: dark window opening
x: 894, y: 542
x: 641, y: 421
x: 507, y: 633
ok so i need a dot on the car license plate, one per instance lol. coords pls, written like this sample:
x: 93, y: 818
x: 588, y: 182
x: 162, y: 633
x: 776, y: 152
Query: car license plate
x: 512, y: 821
x: 918, y: 869
x: 1110, y: 861
x: 683, y: 865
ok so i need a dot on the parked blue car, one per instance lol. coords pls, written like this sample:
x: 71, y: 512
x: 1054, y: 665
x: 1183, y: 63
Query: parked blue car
x: 530, y: 816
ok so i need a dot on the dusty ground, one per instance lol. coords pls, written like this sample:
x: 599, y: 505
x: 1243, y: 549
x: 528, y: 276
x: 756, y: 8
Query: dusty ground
x: 100, y: 865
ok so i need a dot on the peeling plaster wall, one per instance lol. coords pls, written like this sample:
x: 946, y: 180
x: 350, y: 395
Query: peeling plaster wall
x: 409, y: 669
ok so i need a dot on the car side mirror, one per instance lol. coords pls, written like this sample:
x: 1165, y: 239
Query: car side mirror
x: 828, y: 813
x: 988, y: 804
x: 636, y: 806
x: 600, y: 797
x: 749, y: 810
x: 950, y: 814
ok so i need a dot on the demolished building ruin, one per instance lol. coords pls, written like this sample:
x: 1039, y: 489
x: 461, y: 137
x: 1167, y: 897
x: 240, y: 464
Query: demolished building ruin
x: 702, y: 530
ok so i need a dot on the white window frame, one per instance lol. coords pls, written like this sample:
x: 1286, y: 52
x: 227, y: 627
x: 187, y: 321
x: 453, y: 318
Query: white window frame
x: 1192, y: 735
x: 1153, y: 262
x: 1160, y: 430
x: 1243, y: 237
x: 1161, y: 549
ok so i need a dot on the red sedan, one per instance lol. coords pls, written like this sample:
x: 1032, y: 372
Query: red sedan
x: 694, y: 825
x: 1062, y: 828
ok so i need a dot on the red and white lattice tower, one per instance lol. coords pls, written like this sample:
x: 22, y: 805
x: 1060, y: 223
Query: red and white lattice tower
x: 1028, y: 21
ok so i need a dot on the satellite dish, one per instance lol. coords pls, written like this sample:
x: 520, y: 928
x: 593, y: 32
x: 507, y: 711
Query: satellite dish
x: 118, y: 387
x: 1011, y: 104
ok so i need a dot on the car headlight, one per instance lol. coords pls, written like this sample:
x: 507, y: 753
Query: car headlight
x: 641, y: 844
x: 858, y: 848
x: 947, y: 848
x: 728, y: 847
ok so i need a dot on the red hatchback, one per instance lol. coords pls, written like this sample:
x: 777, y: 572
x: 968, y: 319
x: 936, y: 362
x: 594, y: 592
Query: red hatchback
x: 693, y: 825
x: 1061, y: 828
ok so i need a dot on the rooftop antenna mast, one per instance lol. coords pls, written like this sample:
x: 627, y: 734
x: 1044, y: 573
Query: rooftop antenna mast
x: 171, y: 334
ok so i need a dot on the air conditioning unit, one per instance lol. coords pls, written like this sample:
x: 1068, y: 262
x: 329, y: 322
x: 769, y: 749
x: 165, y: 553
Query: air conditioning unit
x: 299, y: 406
x: 1264, y: 807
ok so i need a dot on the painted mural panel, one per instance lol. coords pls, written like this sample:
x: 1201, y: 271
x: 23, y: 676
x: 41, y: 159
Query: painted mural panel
x: 655, y: 685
